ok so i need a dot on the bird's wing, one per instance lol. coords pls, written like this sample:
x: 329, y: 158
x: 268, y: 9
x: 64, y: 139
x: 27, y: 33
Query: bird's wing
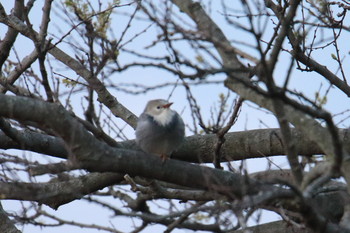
x: 142, y: 125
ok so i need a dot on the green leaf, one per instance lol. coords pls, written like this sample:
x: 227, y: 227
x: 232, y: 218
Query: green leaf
x: 199, y: 58
x: 69, y: 82
x: 334, y: 57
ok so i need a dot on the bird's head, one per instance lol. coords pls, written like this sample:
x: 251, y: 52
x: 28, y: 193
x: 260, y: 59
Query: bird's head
x: 160, y: 110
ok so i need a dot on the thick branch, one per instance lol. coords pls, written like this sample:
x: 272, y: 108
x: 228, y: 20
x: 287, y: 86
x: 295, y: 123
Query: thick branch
x: 211, y: 31
x: 97, y: 156
x: 7, y: 42
x: 6, y: 225
x: 57, y: 193
x: 35, y: 142
x: 198, y: 148
x: 276, y: 227
x: 104, y: 95
x: 239, y: 82
x: 91, y: 154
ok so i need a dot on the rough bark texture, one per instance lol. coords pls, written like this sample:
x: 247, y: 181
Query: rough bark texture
x: 6, y: 225
x: 276, y: 227
x: 199, y: 148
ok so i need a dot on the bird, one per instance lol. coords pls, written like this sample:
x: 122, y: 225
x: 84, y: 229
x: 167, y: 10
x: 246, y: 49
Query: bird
x: 160, y: 130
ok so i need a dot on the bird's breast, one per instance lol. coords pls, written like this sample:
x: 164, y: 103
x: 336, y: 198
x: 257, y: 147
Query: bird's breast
x: 164, y: 118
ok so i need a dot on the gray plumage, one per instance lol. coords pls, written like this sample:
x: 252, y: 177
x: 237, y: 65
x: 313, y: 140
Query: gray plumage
x: 159, y: 130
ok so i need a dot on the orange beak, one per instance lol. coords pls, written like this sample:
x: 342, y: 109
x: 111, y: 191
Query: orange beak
x: 167, y: 105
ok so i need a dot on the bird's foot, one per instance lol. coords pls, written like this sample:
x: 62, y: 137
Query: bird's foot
x: 164, y: 158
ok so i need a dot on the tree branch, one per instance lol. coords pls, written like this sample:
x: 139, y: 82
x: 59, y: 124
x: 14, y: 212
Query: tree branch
x: 6, y: 225
x: 94, y: 155
x: 198, y: 148
x: 104, y: 96
x: 57, y: 193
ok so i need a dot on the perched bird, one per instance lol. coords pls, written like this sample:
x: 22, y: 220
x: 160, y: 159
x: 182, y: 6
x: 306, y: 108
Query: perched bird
x: 160, y: 130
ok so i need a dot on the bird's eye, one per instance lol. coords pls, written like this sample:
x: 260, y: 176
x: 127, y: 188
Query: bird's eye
x: 158, y: 107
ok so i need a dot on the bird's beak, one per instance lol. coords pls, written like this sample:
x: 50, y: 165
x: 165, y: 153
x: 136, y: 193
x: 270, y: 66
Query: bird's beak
x: 167, y: 105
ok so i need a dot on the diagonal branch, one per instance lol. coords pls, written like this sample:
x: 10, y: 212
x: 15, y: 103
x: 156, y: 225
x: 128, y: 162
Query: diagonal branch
x: 57, y: 193
x: 7, y: 42
x: 104, y: 96
x: 307, y: 60
x: 239, y: 82
x: 6, y: 225
x: 286, y: 23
